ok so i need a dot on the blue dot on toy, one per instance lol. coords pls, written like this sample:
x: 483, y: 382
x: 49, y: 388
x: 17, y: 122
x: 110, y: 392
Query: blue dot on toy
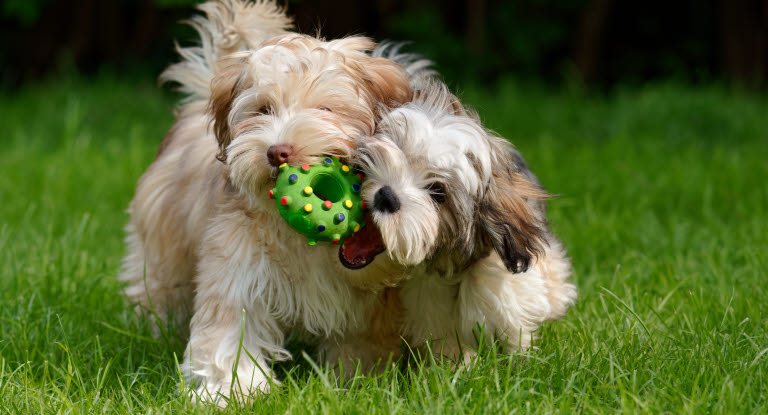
x: 356, y: 187
x: 321, y: 228
x: 292, y: 178
x: 340, y: 217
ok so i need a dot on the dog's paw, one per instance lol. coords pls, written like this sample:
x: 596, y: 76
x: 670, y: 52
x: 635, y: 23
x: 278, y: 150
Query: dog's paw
x: 209, y: 393
x: 221, y: 393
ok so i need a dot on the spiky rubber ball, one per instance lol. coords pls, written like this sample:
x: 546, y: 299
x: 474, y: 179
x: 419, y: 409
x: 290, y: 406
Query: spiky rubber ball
x: 321, y: 201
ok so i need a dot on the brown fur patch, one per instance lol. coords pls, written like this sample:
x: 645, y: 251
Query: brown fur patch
x: 384, y: 82
x: 511, y: 225
x: 388, y: 83
x: 224, y: 88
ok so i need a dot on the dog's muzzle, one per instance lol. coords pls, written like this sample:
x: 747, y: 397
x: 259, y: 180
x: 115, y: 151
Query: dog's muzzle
x: 385, y: 200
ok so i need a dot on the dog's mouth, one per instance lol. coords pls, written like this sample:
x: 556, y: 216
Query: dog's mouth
x: 360, y: 248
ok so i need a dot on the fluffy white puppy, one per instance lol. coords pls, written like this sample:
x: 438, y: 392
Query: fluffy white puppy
x: 205, y: 238
x: 460, y: 208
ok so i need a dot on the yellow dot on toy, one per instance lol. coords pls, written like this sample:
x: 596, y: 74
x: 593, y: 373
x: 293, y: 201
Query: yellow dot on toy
x: 348, y: 204
x: 282, y: 165
x: 308, y: 207
x: 345, y: 168
x: 357, y: 228
x: 308, y: 190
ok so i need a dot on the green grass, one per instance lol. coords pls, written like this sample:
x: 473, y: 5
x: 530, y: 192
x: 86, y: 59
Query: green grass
x: 662, y: 205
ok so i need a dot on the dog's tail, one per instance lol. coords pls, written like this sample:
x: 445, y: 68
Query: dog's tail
x: 418, y: 68
x: 228, y: 26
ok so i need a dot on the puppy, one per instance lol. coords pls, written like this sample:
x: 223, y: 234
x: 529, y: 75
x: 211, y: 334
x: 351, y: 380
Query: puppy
x: 205, y: 238
x: 460, y: 208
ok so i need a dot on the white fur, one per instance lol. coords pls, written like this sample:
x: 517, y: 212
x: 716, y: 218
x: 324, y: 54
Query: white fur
x: 456, y: 282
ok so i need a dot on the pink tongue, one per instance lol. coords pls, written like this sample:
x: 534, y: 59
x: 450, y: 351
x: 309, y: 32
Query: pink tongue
x: 361, y: 247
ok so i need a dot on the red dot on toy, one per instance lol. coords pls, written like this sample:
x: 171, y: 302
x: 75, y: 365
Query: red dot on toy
x: 271, y: 194
x: 305, y: 167
x: 327, y: 204
x: 365, y: 205
x: 360, y: 175
x: 284, y: 200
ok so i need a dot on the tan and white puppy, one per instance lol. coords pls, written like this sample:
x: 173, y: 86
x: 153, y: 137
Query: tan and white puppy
x: 205, y: 238
x: 460, y: 208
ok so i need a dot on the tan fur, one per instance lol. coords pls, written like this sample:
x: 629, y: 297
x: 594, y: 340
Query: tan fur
x: 377, y: 344
x: 205, y: 238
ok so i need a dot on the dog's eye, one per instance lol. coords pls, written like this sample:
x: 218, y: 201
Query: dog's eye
x: 437, y: 192
x: 265, y: 109
x: 325, y: 109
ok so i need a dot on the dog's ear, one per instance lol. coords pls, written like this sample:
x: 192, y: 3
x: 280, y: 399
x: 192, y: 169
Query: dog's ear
x: 508, y: 214
x: 227, y: 84
x: 382, y: 82
x: 387, y: 82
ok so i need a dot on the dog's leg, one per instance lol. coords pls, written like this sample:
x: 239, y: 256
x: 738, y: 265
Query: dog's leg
x: 233, y: 335
x: 556, y: 268
x: 431, y: 318
x: 377, y: 344
x: 364, y: 352
x: 229, y: 350
x: 508, y: 307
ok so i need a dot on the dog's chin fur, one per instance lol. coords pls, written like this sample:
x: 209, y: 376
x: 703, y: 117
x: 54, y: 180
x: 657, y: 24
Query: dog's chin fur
x: 471, y: 225
x: 205, y: 239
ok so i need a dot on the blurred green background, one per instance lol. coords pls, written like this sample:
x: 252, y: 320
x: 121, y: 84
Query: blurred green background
x: 597, y: 43
x: 646, y: 118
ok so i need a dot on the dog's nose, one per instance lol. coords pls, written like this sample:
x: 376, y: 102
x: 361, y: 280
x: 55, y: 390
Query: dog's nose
x: 279, y: 154
x: 385, y: 200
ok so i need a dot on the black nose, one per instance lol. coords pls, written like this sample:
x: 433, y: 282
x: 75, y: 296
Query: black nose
x: 385, y: 200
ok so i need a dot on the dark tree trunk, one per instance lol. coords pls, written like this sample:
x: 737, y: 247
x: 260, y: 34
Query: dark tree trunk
x: 587, y: 47
x: 476, y: 21
x: 745, y: 39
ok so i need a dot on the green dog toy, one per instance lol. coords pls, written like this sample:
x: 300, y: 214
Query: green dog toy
x: 322, y: 202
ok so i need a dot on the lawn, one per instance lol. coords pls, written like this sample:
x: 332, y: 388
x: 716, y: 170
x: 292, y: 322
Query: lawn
x: 663, y: 206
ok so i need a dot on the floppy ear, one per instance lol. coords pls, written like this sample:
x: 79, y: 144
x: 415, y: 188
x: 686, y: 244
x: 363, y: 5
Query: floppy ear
x: 509, y: 218
x: 225, y: 87
x: 387, y: 82
x: 381, y: 81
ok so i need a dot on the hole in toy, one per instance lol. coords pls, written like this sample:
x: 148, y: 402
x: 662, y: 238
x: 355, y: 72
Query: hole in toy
x: 326, y: 187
